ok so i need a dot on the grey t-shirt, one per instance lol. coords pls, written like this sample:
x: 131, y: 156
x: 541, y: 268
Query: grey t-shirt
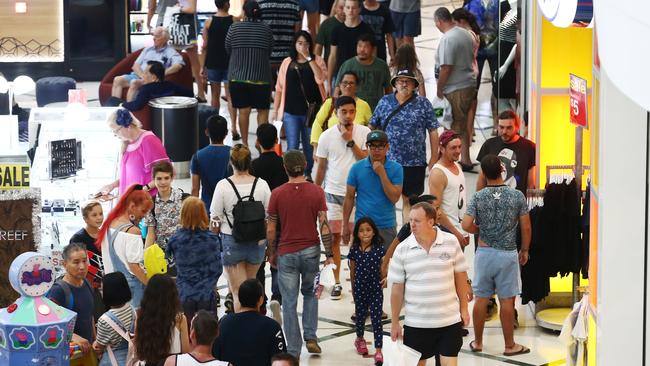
x: 456, y: 48
x: 405, y: 6
x: 496, y: 210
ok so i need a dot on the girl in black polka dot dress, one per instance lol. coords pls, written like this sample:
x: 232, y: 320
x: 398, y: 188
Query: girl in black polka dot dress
x: 364, y: 259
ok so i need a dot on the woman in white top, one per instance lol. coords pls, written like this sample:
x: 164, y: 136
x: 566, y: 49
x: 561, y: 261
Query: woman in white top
x: 241, y: 258
x: 161, y: 327
x: 203, y: 332
x: 121, y: 240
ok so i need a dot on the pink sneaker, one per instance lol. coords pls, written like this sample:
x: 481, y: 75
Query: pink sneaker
x: 379, y: 358
x: 360, y: 345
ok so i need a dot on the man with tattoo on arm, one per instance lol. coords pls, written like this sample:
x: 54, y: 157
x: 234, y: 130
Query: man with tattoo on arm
x: 299, y: 207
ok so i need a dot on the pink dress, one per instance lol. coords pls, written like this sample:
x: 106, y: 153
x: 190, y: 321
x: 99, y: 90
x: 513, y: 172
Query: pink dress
x: 138, y: 160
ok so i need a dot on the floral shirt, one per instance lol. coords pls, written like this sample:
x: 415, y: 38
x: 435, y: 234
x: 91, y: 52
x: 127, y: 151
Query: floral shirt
x: 407, y: 130
x: 165, y: 216
x: 198, y: 263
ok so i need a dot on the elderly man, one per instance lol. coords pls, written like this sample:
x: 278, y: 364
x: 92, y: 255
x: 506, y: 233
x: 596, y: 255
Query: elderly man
x: 160, y: 51
x: 407, y: 118
x: 155, y: 86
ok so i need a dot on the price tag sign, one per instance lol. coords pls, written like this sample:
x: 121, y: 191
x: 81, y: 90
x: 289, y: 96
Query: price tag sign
x: 578, y: 100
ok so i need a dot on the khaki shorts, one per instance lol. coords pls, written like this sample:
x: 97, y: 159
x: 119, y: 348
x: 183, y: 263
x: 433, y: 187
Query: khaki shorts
x: 461, y: 101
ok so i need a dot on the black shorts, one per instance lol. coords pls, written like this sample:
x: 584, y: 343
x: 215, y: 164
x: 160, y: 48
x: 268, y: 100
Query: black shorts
x: 248, y: 95
x: 413, y: 180
x: 445, y: 341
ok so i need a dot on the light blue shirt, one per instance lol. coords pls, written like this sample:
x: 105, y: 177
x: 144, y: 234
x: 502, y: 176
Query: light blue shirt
x: 371, y: 199
x: 167, y: 55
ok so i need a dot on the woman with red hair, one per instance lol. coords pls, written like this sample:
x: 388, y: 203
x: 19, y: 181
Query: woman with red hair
x: 121, y: 240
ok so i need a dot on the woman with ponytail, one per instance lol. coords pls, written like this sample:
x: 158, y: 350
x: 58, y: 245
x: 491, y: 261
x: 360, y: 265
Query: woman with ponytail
x: 121, y: 240
x: 140, y: 150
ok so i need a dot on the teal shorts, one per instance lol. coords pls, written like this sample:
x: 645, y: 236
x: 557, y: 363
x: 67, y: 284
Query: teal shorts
x: 496, y: 272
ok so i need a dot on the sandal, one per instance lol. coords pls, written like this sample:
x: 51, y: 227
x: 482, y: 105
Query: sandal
x: 474, y: 349
x: 522, y: 351
x: 236, y: 136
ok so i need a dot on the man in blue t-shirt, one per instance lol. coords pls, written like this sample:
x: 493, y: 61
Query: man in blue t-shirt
x: 497, y: 210
x: 376, y: 185
x: 211, y: 164
x: 74, y: 292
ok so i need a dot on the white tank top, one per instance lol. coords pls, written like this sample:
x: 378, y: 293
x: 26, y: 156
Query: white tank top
x: 454, y: 197
x: 187, y: 359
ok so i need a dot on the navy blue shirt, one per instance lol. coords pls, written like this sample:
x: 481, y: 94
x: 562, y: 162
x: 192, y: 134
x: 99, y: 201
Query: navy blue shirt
x: 156, y: 90
x: 211, y: 164
x: 198, y: 262
x: 82, y: 302
x: 367, y: 266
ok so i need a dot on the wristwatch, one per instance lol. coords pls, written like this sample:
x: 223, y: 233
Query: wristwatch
x: 350, y: 143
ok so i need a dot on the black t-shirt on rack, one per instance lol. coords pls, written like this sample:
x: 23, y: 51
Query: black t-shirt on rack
x: 295, y: 101
x: 217, y: 57
x: 345, y: 40
x: 517, y: 157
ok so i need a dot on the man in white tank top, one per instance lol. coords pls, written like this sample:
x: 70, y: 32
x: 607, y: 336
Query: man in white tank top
x: 447, y: 184
x: 203, y: 332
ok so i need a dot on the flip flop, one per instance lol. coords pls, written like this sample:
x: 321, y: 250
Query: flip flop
x: 522, y: 351
x: 474, y: 349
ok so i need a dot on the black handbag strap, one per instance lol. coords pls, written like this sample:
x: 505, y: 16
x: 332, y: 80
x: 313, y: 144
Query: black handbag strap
x: 396, y: 110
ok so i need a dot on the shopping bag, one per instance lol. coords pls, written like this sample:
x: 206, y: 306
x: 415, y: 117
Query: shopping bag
x: 154, y: 260
x: 324, y: 280
x: 398, y: 354
x: 181, y: 27
x: 442, y: 111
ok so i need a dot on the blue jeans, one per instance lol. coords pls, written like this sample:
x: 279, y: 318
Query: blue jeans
x: 292, y: 268
x: 295, y: 129
x: 137, y: 290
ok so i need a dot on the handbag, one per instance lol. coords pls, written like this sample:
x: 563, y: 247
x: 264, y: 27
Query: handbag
x: 181, y: 27
x: 312, y: 107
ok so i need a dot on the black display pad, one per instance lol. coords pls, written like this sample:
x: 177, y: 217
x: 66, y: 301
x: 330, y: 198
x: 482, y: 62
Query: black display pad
x: 64, y: 158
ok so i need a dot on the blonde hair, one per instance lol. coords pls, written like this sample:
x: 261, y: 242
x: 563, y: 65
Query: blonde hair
x: 112, y: 124
x: 193, y: 214
x: 85, y: 210
x: 240, y: 158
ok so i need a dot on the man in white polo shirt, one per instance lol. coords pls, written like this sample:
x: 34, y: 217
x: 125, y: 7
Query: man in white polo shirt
x: 338, y: 148
x: 428, y: 273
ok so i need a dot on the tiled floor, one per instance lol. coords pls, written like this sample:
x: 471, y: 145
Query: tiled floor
x: 335, y: 329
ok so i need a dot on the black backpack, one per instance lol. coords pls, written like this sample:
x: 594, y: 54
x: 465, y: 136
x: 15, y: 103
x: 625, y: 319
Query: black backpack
x: 249, y: 217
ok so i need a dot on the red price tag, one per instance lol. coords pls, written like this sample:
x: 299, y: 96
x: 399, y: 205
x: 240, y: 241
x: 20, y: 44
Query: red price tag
x: 578, y: 100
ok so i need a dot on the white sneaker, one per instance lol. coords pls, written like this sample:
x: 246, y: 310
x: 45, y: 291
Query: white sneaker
x: 276, y: 311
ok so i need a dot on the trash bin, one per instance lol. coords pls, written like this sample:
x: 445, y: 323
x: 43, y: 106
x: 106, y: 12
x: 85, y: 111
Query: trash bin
x: 175, y: 121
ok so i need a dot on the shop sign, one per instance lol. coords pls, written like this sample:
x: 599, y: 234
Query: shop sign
x: 578, y: 100
x: 14, y: 176
x: 19, y: 232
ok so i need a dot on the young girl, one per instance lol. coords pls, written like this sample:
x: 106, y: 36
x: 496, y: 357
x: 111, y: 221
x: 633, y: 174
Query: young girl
x: 365, y: 260
x: 116, y: 296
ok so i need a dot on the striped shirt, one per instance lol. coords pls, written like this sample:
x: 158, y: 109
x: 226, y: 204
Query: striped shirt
x: 430, y: 299
x: 281, y: 16
x: 249, y: 44
x: 105, y: 333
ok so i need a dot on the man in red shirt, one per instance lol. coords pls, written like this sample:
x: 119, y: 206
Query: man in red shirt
x: 298, y: 205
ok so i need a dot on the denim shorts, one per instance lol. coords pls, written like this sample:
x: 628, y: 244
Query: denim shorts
x: 131, y: 77
x: 218, y: 75
x: 496, y: 271
x: 311, y: 6
x: 233, y: 252
x: 406, y: 24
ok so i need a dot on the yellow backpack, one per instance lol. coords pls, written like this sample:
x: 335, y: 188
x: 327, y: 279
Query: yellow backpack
x: 154, y: 260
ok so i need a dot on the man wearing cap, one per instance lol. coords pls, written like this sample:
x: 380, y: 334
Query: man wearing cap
x: 456, y: 78
x: 447, y: 184
x: 407, y: 118
x: 375, y: 185
x: 298, y: 206
x: 338, y: 148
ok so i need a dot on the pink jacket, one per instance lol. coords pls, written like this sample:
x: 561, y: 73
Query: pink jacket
x: 282, y: 79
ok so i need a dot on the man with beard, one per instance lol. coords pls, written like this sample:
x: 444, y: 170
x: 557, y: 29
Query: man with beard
x: 517, y: 154
x: 407, y: 118
x: 373, y: 72
x: 338, y: 148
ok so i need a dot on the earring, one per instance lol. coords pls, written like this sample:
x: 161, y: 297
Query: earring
x: 132, y: 217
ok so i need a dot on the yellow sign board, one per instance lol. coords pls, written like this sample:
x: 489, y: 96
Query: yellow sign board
x: 14, y: 176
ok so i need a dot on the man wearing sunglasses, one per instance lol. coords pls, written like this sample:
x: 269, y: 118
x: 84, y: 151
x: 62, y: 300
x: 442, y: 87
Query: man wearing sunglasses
x: 374, y: 185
